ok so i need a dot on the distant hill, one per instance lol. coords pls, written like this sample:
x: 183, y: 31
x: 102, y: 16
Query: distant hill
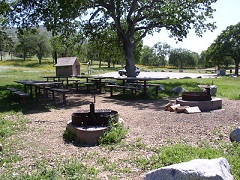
x: 12, y: 32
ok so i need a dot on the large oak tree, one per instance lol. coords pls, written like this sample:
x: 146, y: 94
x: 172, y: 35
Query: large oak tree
x: 134, y: 19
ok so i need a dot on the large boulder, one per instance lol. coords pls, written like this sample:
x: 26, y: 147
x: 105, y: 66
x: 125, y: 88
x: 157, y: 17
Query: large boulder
x: 198, y: 169
x: 235, y: 135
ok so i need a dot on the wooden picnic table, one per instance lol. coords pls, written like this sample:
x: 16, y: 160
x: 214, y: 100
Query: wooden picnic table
x: 38, y: 85
x: 56, y: 78
x: 137, y: 80
x: 97, y: 80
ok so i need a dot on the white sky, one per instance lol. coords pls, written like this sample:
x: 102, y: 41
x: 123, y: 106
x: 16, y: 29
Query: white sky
x: 227, y: 13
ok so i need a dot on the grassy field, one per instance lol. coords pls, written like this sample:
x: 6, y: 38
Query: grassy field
x: 228, y: 87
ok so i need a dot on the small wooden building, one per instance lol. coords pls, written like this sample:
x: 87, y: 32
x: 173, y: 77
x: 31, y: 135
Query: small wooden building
x: 67, y: 66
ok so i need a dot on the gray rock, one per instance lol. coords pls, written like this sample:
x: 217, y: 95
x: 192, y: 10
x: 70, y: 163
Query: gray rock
x: 161, y: 87
x: 178, y: 90
x: 213, y: 90
x: 235, y: 135
x: 198, y: 169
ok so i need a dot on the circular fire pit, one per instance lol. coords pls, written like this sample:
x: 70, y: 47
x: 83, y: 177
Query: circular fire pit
x: 88, y: 126
x: 99, y: 118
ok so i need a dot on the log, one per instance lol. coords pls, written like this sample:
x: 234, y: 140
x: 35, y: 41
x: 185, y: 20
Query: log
x: 173, y: 107
x: 167, y: 106
x: 181, y: 109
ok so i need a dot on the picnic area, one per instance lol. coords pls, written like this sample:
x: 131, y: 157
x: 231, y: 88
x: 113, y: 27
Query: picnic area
x: 39, y: 141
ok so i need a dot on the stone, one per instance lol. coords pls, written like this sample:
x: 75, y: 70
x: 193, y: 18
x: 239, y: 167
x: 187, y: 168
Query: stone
x: 161, y: 87
x: 191, y: 110
x: 178, y: 90
x: 235, y: 135
x: 197, y: 169
x: 213, y: 90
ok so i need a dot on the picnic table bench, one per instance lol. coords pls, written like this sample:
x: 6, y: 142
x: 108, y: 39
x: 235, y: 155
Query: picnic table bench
x: 12, y: 90
x: 111, y: 87
x: 77, y: 83
x: 61, y: 91
x: 88, y: 85
x: 18, y: 93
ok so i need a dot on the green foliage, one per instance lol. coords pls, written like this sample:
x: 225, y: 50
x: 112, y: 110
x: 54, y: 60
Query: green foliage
x: 71, y: 169
x: 233, y: 156
x: 10, y: 124
x: 226, y: 45
x: 115, y: 134
x: 227, y: 87
x: 69, y: 136
x: 183, y: 58
x: 148, y: 57
x: 175, y: 154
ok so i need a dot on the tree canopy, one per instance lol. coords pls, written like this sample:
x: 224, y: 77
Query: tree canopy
x: 226, y: 45
x: 134, y: 19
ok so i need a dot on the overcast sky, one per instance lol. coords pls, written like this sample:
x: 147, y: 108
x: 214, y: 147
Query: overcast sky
x: 227, y: 13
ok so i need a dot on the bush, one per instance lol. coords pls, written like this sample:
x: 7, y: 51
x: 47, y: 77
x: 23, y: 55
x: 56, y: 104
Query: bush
x: 115, y: 134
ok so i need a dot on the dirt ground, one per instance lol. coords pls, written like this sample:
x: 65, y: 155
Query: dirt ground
x: 148, y: 125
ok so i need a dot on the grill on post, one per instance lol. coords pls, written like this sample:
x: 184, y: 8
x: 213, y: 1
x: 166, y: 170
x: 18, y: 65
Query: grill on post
x: 98, y: 117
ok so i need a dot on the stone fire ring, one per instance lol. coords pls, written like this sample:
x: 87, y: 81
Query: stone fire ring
x: 214, y: 104
x: 88, y: 134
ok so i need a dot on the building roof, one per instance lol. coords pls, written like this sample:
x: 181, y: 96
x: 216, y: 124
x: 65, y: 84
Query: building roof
x: 66, y: 61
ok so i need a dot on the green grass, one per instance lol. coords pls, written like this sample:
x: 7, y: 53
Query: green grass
x: 145, y: 158
x: 227, y: 87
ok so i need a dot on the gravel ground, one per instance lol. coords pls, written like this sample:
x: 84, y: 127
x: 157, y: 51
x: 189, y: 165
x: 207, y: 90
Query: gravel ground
x: 148, y: 124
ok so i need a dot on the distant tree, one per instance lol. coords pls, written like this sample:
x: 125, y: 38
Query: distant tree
x: 41, y: 46
x: 227, y: 44
x: 105, y: 46
x: 175, y: 58
x: 162, y: 51
x: 149, y: 57
x: 191, y: 58
x: 183, y: 58
x: 202, y: 59
x: 57, y: 16
x: 26, y: 42
x: 6, y: 43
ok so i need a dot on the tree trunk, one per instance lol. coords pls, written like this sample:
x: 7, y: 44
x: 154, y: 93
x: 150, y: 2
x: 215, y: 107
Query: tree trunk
x: 24, y: 55
x: 55, y: 57
x: 100, y: 62
x: 128, y: 48
x: 237, y: 61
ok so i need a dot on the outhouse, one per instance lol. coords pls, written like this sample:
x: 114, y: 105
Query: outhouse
x: 67, y: 66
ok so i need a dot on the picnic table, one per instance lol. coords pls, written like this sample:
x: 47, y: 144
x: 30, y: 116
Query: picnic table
x: 139, y: 81
x: 93, y: 80
x: 56, y: 78
x: 38, y: 85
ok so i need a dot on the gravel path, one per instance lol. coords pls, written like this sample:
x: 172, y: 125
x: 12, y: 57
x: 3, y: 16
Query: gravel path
x: 147, y: 121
